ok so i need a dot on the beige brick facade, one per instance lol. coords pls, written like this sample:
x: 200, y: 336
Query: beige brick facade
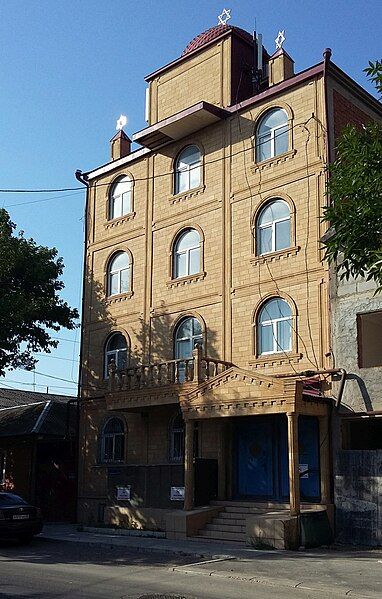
x: 233, y: 281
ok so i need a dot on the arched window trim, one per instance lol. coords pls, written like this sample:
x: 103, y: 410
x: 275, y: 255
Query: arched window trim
x: 294, y: 326
x: 186, y: 253
x: 109, y: 197
x: 107, y: 273
x: 271, y: 224
x: 175, y: 190
x: 290, y: 117
x: 293, y: 248
x: 173, y: 280
x: 106, y: 352
x: 178, y: 322
x: 112, y: 444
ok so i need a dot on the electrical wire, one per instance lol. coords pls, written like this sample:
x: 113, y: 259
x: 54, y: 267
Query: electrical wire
x: 157, y: 176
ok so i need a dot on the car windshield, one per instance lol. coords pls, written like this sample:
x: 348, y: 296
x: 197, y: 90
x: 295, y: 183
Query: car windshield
x: 7, y: 499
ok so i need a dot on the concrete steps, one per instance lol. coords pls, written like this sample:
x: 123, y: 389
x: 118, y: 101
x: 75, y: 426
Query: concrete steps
x: 230, y: 524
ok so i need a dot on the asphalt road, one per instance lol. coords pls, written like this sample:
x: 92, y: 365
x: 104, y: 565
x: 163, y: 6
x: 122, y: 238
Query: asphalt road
x: 74, y: 570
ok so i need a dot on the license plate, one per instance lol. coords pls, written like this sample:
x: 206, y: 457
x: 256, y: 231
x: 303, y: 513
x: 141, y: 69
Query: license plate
x: 21, y: 517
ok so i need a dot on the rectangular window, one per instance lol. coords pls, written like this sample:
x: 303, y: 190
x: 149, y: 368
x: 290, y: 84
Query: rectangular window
x: 369, y: 337
x: 362, y: 433
x: 281, y: 140
x: 265, y: 241
x: 125, y: 280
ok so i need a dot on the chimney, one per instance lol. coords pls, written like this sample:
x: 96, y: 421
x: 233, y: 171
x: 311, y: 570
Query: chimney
x: 281, y: 67
x: 120, y: 145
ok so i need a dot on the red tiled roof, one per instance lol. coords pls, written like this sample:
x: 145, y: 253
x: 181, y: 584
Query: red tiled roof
x: 212, y: 33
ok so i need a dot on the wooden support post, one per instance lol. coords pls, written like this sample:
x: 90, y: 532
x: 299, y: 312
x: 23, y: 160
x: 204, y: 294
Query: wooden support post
x: 324, y: 460
x: 189, y: 466
x: 294, y: 474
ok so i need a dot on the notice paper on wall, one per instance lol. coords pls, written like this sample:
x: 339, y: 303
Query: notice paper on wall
x: 123, y: 493
x: 177, y: 494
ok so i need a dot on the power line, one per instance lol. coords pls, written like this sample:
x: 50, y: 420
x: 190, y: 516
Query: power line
x: 158, y: 176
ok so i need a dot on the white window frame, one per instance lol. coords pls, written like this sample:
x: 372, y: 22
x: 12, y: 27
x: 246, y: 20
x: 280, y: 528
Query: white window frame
x: 126, y: 203
x: 114, y: 354
x: 188, y: 168
x: 194, y: 339
x: 119, y: 272
x: 273, y: 133
x: 186, y: 252
x: 113, y: 436
x: 273, y: 322
x: 271, y: 225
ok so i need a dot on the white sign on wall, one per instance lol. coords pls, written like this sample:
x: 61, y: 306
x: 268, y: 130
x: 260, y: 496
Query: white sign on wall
x: 177, y: 494
x: 123, y: 493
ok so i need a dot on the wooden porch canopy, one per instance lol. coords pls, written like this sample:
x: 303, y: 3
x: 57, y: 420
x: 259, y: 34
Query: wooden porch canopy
x: 239, y: 392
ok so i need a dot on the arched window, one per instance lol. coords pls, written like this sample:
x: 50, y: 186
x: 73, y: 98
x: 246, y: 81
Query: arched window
x: 116, y: 350
x: 113, y: 441
x: 176, y: 438
x: 187, y: 334
x: 272, y: 137
x: 186, y: 254
x: 120, y: 199
x: 273, y: 227
x: 188, y: 169
x: 119, y: 274
x: 274, y: 327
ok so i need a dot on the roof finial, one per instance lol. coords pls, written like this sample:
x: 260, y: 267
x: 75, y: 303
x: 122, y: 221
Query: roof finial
x: 280, y: 39
x: 122, y: 121
x: 224, y: 17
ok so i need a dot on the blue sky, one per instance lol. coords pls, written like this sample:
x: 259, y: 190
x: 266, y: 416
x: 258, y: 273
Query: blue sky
x: 69, y: 68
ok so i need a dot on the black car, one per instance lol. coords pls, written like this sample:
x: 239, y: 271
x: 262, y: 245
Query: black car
x: 18, y: 519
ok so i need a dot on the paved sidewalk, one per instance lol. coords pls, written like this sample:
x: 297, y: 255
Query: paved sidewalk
x: 192, y: 548
x: 330, y: 572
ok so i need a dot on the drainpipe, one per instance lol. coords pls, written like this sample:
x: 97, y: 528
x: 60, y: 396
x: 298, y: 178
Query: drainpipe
x: 82, y: 178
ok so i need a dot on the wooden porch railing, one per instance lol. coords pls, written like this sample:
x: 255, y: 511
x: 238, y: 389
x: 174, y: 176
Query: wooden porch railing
x: 196, y: 369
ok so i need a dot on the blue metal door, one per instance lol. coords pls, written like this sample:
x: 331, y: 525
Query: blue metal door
x: 262, y: 470
x: 309, y: 458
x: 262, y: 458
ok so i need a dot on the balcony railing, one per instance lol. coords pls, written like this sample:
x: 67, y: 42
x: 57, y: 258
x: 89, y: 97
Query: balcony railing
x: 196, y: 369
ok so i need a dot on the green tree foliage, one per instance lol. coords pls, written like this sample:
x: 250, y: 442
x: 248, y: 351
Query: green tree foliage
x: 354, y: 187
x: 29, y: 301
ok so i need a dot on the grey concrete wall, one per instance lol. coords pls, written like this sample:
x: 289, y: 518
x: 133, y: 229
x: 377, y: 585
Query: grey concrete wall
x: 363, y: 389
x: 357, y: 474
x: 358, y: 497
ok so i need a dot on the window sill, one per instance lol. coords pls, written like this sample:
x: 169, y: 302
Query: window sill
x: 273, y: 256
x: 260, y: 166
x: 277, y: 359
x: 119, y: 220
x: 186, y: 280
x: 186, y: 195
x: 119, y: 297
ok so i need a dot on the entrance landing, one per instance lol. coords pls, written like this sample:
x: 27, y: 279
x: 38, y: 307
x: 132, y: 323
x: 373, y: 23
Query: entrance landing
x: 267, y: 525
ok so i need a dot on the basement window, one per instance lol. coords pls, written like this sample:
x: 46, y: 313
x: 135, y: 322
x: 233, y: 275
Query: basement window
x: 369, y: 338
x: 362, y: 433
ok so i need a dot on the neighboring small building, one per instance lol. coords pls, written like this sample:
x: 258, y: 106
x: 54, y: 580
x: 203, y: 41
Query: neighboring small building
x: 38, y: 450
x: 357, y: 347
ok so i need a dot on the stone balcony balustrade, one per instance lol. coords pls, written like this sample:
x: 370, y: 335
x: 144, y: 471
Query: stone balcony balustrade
x: 194, y: 370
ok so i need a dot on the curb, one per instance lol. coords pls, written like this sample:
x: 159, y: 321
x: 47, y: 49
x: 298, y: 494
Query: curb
x: 138, y: 548
x: 275, y: 583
